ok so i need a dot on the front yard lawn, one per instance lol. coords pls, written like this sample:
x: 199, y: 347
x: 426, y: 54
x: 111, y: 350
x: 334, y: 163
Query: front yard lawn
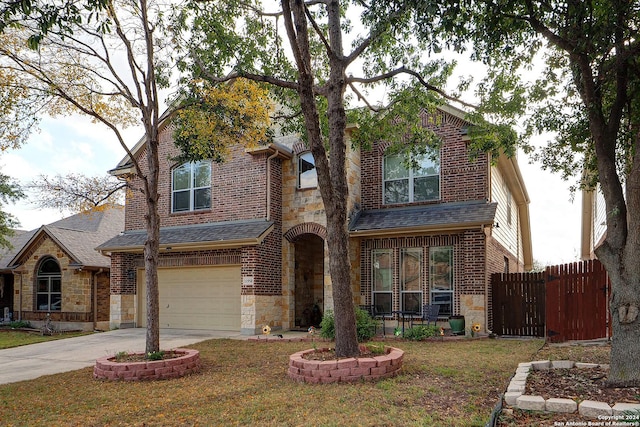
x: 14, y: 338
x: 455, y: 383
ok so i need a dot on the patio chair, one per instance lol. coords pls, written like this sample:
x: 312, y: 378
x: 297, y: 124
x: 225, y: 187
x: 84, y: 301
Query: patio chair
x: 430, y: 313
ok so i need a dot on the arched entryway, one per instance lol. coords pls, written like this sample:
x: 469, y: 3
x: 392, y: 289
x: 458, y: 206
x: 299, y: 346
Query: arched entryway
x: 308, y: 302
x: 309, y: 280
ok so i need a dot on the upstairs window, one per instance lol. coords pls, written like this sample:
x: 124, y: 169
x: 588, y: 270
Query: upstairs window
x: 404, y: 184
x: 191, y: 187
x: 307, y: 174
x: 49, y: 286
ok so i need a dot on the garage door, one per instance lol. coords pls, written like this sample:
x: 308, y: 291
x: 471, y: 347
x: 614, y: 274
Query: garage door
x: 195, y: 298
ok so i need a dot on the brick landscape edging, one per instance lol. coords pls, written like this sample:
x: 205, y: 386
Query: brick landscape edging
x: 515, y: 393
x: 107, y: 368
x: 351, y: 369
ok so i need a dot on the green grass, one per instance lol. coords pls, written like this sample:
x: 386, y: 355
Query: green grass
x: 9, y: 338
x: 453, y: 383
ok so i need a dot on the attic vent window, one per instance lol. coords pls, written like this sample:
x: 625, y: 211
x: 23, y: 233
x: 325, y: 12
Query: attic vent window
x: 307, y: 174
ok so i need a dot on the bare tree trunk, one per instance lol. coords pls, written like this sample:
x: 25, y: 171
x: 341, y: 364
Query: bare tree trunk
x: 152, y: 249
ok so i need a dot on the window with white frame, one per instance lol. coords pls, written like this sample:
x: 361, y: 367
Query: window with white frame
x: 410, y: 279
x: 49, y: 286
x: 441, y: 278
x: 382, y: 274
x: 191, y: 187
x: 307, y: 174
x: 403, y: 184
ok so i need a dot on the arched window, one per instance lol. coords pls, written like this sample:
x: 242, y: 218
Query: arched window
x: 49, y: 286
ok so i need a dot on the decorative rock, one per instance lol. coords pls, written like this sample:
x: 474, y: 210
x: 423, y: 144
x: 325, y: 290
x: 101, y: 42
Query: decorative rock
x: 562, y: 364
x: 511, y: 397
x: 561, y: 405
x: 591, y: 408
x: 621, y: 408
x: 516, y: 386
x: 582, y: 365
x: 541, y: 365
x: 530, y: 403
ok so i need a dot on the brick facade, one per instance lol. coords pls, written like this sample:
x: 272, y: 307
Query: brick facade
x: 296, y: 246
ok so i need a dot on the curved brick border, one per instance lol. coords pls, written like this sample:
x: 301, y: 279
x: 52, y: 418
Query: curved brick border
x: 345, y: 370
x: 515, y: 393
x: 108, y: 369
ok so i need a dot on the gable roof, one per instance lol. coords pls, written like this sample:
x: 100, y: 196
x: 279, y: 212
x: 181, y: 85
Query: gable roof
x: 226, y: 234
x: 77, y: 235
x: 425, y: 218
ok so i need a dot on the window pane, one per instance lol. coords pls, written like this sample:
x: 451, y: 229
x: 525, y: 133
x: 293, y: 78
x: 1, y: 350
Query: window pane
x: 394, y: 167
x: 441, y: 268
x: 180, y: 201
x: 307, y: 174
x: 427, y: 166
x: 43, y: 285
x: 202, y: 198
x: 396, y: 191
x: 56, y: 302
x: 56, y: 284
x: 382, y: 302
x: 42, y: 301
x: 411, y: 265
x: 181, y: 177
x: 382, y: 270
x: 49, y: 266
x: 445, y: 300
x: 412, y: 301
x: 427, y: 188
x: 202, y: 175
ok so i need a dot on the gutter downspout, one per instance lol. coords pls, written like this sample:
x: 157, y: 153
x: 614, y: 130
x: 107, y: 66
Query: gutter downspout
x: 271, y: 157
x: 94, y: 287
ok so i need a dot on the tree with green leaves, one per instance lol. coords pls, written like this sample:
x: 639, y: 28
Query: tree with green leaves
x: 10, y: 191
x: 311, y: 56
x: 585, y: 56
x: 108, y: 60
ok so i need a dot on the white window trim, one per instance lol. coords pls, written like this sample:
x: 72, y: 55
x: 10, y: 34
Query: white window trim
x: 300, y: 187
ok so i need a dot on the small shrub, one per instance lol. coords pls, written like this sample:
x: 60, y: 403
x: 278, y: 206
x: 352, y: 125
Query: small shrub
x: 155, y: 355
x: 17, y: 324
x: 121, y: 355
x: 365, y: 325
x: 377, y: 349
x: 421, y: 332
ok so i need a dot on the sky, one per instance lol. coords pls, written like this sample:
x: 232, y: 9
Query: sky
x: 75, y: 144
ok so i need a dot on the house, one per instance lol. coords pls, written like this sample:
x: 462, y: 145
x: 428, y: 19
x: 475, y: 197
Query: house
x: 593, y: 222
x: 243, y: 243
x: 56, y: 269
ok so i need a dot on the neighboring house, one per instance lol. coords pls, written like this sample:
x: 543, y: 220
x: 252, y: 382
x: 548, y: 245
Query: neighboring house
x: 56, y: 269
x: 594, y: 222
x: 243, y: 243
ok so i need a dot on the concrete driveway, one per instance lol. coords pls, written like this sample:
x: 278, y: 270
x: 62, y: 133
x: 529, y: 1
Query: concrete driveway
x: 52, y: 357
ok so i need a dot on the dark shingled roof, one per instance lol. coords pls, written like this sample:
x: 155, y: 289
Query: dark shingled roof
x: 201, y: 233
x: 78, y: 235
x: 431, y: 216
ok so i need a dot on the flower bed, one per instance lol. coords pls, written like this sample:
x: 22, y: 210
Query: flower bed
x: 110, y: 369
x: 370, y: 368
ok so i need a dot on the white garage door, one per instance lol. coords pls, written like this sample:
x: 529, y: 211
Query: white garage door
x: 195, y: 298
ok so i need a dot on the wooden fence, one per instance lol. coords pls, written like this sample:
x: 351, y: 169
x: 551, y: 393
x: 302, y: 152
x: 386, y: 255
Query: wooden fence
x: 565, y: 302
